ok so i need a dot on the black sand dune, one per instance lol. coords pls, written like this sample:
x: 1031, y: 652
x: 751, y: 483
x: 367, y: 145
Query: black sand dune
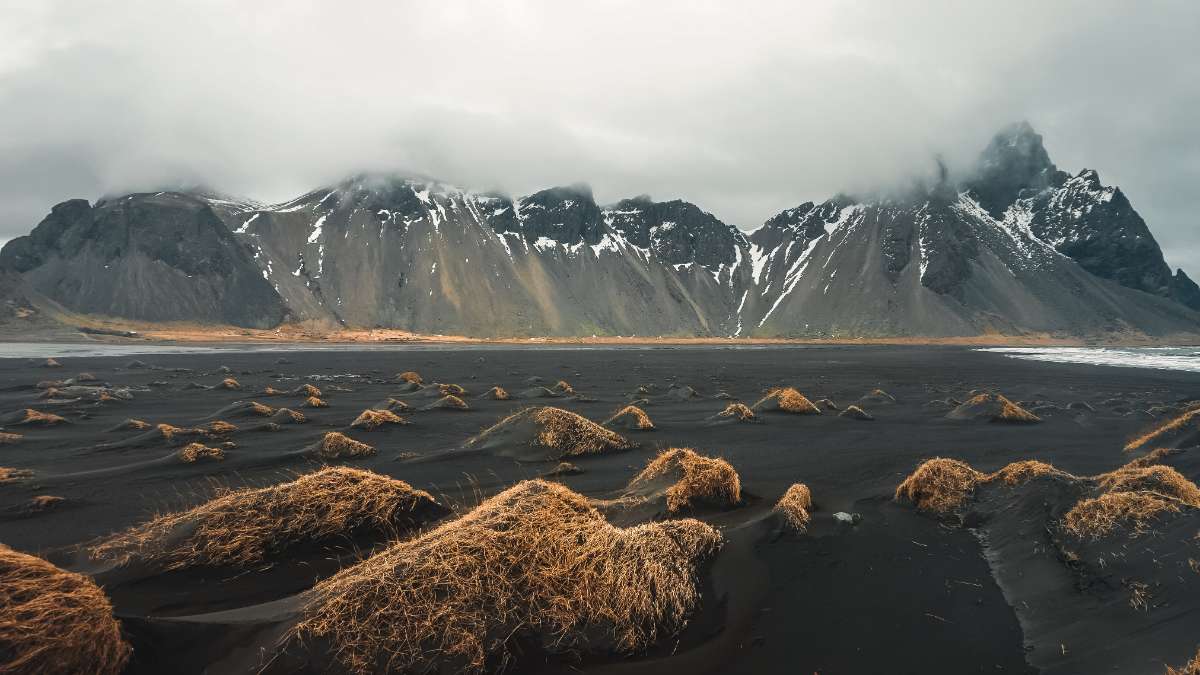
x: 995, y: 589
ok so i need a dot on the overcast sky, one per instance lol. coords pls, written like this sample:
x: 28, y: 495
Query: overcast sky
x: 744, y: 108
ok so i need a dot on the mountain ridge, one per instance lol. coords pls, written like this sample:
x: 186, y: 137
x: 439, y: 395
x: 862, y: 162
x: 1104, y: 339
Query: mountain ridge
x: 1017, y: 246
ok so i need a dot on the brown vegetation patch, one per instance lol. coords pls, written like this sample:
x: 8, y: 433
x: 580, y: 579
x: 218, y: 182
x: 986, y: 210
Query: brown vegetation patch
x: 694, y: 479
x: 370, y: 420
x: 256, y: 408
x: 994, y: 408
x: 563, y: 387
x: 51, y: 363
x: 248, y: 526
x: 335, y: 445
x: 550, y: 433
x: 272, y: 391
x: 1024, y: 471
x: 794, y: 506
x: 8, y: 475
x: 535, y: 562
x: 1099, y: 516
x: 34, y: 418
x: 314, y: 402
x: 856, y: 413
x: 564, y: 469
x: 195, y: 452
x: 497, y: 394
x: 289, y: 416
x: 738, y: 412
x: 449, y: 402
x: 1161, y: 433
x: 54, y: 621
x: 787, y: 399
x: 631, y: 417
x: 42, y: 503
x: 230, y: 383
x: 218, y: 428
x: 451, y: 390
x: 9, y: 438
x: 307, y: 391
x: 132, y: 424
x: 410, y: 376
x: 939, y: 485
x: 1158, y: 478
x: 1190, y: 668
x: 1151, y: 458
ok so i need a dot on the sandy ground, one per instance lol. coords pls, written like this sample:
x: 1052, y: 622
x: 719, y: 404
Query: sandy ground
x: 899, y: 593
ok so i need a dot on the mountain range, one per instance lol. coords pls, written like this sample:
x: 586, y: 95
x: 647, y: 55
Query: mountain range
x: 1015, y: 246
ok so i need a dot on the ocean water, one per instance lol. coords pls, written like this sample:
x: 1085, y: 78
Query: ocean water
x: 1158, y: 358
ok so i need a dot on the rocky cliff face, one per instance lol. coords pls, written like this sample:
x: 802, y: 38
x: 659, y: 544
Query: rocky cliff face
x: 1017, y: 246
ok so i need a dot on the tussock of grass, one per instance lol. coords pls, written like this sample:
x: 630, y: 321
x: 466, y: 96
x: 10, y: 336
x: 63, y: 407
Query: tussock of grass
x: 631, y: 417
x: 289, y: 416
x: 879, y: 396
x: 307, y: 391
x: 132, y: 424
x: 939, y: 485
x: 1024, y: 471
x: 314, y: 402
x: 694, y: 479
x: 370, y: 420
x: 856, y: 413
x: 1150, y: 459
x: 794, y: 506
x: 1158, y: 478
x: 1098, y: 516
x: 787, y: 399
x: 9, y: 438
x: 230, y: 383
x: 827, y: 404
x: 535, y: 562
x: 195, y: 452
x: 448, y: 402
x: 553, y: 433
x: 563, y: 387
x: 1190, y: 668
x: 564, y: 469
x: 339, y: 446
x: 451, y: 390
x: 739, y: 412
x: 395, y: 405
x: 256, y: 408
x: 410, y: 376
x: 54, y: 621
x: 85, y: 377
x: 218, y: 428
x: 497, y: 394
x: 42, y: 503
x: 241, y: 528
x: 1164, y: 431
x: 272, y: 391
x: 34, y: 418
x: 995, y: 408
x: 51, y: 363
x: 8, y: 475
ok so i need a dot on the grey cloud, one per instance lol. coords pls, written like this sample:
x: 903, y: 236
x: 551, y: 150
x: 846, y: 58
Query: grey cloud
x: 744, y: 109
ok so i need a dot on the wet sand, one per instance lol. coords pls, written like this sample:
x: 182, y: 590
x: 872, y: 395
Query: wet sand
x: 898, y: 593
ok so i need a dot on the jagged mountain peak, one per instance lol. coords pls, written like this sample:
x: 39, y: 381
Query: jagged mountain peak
x: 1013, y: 163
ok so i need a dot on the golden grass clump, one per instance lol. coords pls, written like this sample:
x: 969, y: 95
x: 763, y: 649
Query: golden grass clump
x: 370, y: 420
x: 256, y: 408
x: 55, y: 622
x: 631, y: 417
x: 563, y: 387
x: 272, y: 391
x: 794, y: 506
x: 739, y: 412
x: 939, y: 485
x: 1165, y: 430
x: 449, y: 402
x: 1190, y: 668
x: 1158, y: 478
x: 247, y: 526
x: 230, y: 383
x: 787, y: 399
x: 132, y: 424
x: 218, y: 428
x: 1098, y: 516
x: 535, y: 562
x: 9, y: 438
x: 307, y: 391
x: 410, y: 376
x: 856, y: 413
x: 289, y: 415
x: 195, y: 452
x: 314, y: 402
x: 553, y: 433
x: 995, y: 408
x: 335, y: 445
x: 7, y: 474
x: 695, y: 479
x: 51, y: 363
x: 1149, y: 459
x: 36, y: 418
x: 497, y: 394
x: 1024, y: 471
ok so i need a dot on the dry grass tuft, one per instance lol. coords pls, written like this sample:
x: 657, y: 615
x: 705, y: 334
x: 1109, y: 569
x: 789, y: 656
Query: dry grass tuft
x: 535, y: 562
x: 36, y: 418
x: 230, y: 383
x: 995, y: 408
x: 1171, y: 427
x: 1150, y: 459
x: 631, y: 417
x: 451, y: 390
x: 563, y: 387
x: 339, y: 446
x: 256, y: 408
x: 51, y: 363
x: 739, y: 412
x: 272, y: 391
x: 218, y: 428
x: 8, y: 475
x: 1158, y: 478
x: 42, y: 503
x: 370, y: 420
x: 794, y: 506
x: 195, y: 452
x: 449, y: 402
x: 939, y: 485
x: 856, y: 413
x: 54, y: 621
x: 410, y: 376
x: 564, y: 469
x: 497, y: 394
x: 85, y: 377
x: 1098, y: 516
x: 314, y: 402
x: 695, y: 479
x: 787, y: 399
x: 8, y: 439
x: 132, y: 424
x: 289, y: 416
x: 307, y: 391
x: 247, y: 527
x: 1024, y: 471
x: 555, y: 433
x: 1190, y: 668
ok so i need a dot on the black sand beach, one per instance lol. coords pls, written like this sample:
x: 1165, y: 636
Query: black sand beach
x: 899, y: 592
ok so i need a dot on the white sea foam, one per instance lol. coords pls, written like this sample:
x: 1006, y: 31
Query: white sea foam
x: 1158, y: 358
